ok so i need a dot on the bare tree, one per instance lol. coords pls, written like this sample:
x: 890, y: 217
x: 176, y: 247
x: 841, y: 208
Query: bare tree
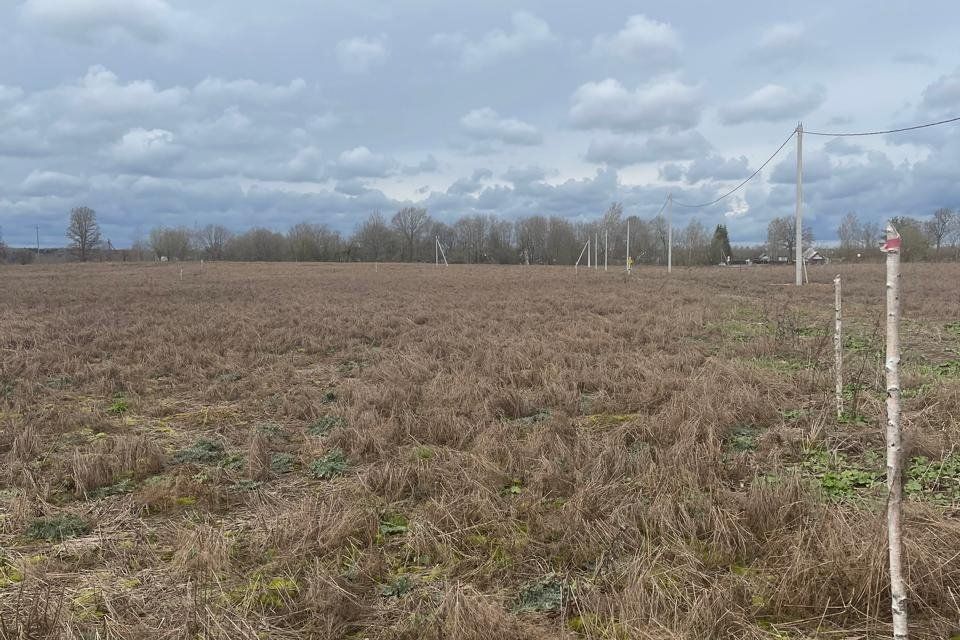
x: 83, y: 232
x: 661, y: 231
x: 172, y: 243
x: 212, y: 240
x: 849, y: 232
x: 409, y: 222
x: 3, y: 248
x: 939, y: 226
x: 376, y: 241
x: 782, y: 234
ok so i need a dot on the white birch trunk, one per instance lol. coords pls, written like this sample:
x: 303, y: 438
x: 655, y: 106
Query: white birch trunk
x: 898, y: 591
x: 838, y: 345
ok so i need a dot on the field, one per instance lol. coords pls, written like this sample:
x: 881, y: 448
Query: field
x: 403, y: 451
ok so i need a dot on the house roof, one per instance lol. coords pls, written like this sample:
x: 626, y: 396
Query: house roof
x: 810, y: 253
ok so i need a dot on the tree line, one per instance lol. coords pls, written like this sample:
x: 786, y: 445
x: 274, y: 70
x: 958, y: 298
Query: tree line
x: 410, y: 235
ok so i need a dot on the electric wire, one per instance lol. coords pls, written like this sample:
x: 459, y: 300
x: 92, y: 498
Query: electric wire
x: 739, y: 186
x: 878, y: 133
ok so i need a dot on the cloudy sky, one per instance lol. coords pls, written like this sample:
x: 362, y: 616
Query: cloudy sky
x: 250, y: 113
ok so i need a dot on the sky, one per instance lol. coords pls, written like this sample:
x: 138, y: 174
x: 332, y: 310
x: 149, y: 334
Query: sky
x: 245, y: 113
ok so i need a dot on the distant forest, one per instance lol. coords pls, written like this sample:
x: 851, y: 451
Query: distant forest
x: 410, y: 235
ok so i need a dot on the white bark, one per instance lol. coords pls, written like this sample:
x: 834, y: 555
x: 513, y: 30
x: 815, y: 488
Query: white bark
x: 898, y: 591
x: 838, y: 345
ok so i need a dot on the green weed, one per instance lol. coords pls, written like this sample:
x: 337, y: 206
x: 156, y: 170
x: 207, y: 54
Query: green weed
x: 329, y: 466
x: 743, y: 438
x: 547, y: 594
x: 202, y: 451
x: 393, y: 524
x: 936, y: 481
x: 839, y: 479
x: 281, y: 463
x: 396, y: 588
x: 58, y: 528
x: 790, y: 415
x: 326, y: 424
x: 126, y: 485
x: 119, y: 406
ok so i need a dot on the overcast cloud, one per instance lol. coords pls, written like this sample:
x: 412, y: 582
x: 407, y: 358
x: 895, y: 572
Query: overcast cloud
x: 243, y: 113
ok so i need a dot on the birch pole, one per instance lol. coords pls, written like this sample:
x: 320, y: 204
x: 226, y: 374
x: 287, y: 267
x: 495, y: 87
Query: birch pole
x: 898, y: 590
x: 577, y: 265
x: 838, y: 344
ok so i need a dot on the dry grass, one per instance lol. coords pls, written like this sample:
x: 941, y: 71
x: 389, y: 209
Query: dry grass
x: 334, y: 451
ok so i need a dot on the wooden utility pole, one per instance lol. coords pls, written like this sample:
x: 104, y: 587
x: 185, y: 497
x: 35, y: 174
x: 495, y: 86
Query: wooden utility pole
x: 628, y: 244
x: 670, y: 233
x: 898, y: 589
x: 798, y: 239
x: 606, y: 247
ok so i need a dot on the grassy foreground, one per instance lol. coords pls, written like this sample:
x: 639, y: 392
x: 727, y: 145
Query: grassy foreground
x: 400, y: 451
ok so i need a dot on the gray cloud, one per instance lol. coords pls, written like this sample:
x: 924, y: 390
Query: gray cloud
x: 772, y: 103
x: 943, y: 93
x: 671, y: 172
x: 782, y: 40
x: 472, y: 184
x: 487, y: 124
x: 51, y: 183
x: 527, y: 32
x: 714, y: 167
x: 609, y: 105
x: 621, y: 151
x: 361, y: 162
x: 360, y: 54
x: 524, y: 175
x: 87, y: 21
x: 842, y: 147
x: 642, y: 40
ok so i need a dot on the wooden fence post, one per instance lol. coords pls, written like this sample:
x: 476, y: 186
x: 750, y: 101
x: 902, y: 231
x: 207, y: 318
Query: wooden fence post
x: 898, y: 591
x: 838, y: 345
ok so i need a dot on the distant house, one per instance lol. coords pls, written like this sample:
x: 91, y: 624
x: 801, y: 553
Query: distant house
x: 812, y: 256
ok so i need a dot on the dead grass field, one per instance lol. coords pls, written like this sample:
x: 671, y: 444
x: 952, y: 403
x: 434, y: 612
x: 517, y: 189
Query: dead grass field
x: 334, y: 451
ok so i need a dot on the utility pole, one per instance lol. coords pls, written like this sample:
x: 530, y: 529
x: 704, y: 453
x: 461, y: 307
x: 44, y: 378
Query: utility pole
x: 628, y: 244
x: 436, y: 251
x: 798, y: 240
x: 38, y: 240
x: 670, y: 233
x: 606, y: 246
x: 596, y: 251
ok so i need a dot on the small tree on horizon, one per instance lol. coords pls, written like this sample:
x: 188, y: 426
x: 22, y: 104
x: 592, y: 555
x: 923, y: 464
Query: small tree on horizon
x: 83, y: 232
x: 409, y: 223
x: 720, y: 245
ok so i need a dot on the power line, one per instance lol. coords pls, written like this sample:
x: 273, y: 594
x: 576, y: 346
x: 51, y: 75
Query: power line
x: 739, y: 186
x: 663, y: 206
x: 878, y: 133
